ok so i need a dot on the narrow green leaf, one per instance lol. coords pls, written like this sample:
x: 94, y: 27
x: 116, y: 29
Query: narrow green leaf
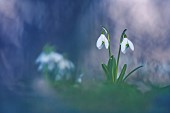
x: 110, y: 64
x: 105, y: 69
x: 114, y: 76
x: 131, y: 72
x: 122, y: 74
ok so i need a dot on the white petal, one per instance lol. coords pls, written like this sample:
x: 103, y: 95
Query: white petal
x: 123, y: 45
x: 100, y: 47
x: 44, y: 58
x: 51, y: 66
x: 65, y: 64
x: 124, y: 51
x: 106, y: 42
x: 56, y: 57
x: 131, y: 45
x: 100, y: 40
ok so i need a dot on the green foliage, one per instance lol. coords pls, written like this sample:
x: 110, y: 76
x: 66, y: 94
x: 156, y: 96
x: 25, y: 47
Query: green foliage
x: 110, y: 69
x: 131, y: 72
x: 105, y: 69
x: 104, y: 98
x: 122, y: 74
x: 48, y: 48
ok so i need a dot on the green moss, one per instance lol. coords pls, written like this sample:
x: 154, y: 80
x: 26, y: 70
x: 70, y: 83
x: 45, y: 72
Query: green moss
x: 104, y: 98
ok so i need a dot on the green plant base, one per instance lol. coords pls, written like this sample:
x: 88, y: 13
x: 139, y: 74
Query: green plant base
x: 103, y: 98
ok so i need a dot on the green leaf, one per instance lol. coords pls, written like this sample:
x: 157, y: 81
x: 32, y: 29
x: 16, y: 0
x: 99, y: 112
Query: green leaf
x: 105, y: 69
x: 131, y: 72
x: 110, y: 63
x: 122, y: 74
x: 112, y: 67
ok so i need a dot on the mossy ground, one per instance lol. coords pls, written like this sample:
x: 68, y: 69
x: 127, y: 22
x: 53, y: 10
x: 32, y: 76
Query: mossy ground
x: 104, y: 98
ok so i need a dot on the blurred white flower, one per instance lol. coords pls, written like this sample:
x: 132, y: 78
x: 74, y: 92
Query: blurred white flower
x: 65, y: 69
x: 126, y: 43
x: 79, y: 79
x: 64, y: 64
x: 56, y: 65
x: 49, y: 59
x: 56, y: 57
x: 43, y: 58
x: 102, y: 40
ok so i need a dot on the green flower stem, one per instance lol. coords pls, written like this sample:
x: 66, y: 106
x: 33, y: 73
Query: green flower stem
x: 117, y: 63
x: 110, y: 54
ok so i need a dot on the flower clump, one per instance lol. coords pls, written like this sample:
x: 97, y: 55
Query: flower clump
x: 55, y: 65
x: 111, y: 68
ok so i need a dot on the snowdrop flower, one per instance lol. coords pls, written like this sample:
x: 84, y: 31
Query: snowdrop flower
x: 102, y: 40
x: 126, y: 43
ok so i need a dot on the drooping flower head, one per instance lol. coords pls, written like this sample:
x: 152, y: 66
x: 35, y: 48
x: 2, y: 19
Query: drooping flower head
x: 125, y: 44
x: 102, y: 40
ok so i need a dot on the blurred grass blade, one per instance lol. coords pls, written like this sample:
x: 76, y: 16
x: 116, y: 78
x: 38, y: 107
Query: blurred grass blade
x: 122, y: 74
x: 105, y: 69
x: 131, y: 72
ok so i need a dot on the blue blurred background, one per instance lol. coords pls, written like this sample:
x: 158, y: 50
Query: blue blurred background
x: 73, y: 27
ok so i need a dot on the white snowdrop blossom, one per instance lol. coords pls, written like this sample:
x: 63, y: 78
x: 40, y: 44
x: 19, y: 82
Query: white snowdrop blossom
x: 102, y: 40
x: 126, y: 43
